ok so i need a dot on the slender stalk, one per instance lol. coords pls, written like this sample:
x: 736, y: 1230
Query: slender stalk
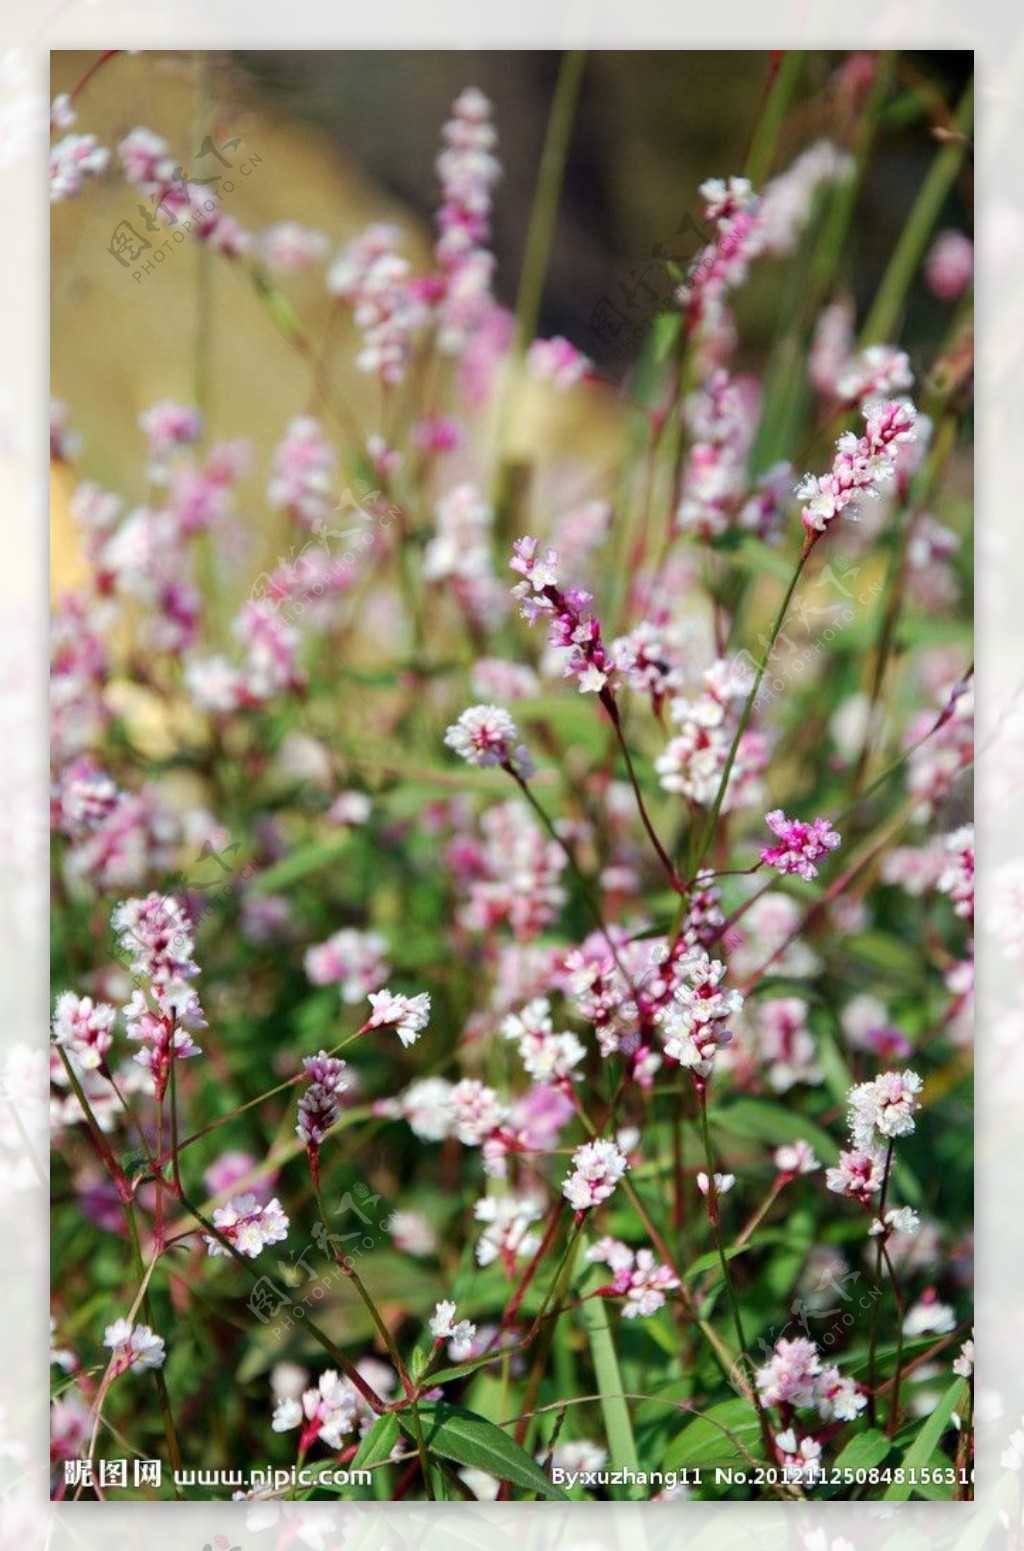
x: 377, y: 1405
x: 779, y: 89
x: 584, y: 882
x: 917, y: 229
x: 539, y: 236
x: 170, y: 1431
x: 541, y: 229
x: 877, y: 1293
x: 744, y: 1356
x: 894, y: 1403
x: 608, y: 701
x: 741, y: 727
x: 386, y: 1336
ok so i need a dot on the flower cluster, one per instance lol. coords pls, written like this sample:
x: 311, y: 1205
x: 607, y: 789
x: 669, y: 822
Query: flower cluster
x: 694, y: 762
x: 694, y: 1023
x: 407, y: 1015
x: 133, y: 1346
x: 486, y: 735
x: 84, y: 1028
x: 445, y: 1327
x: 248, y: 1225
x: 799, y: 844
x: 319, y: 1106
x: 637, y: 1276
x: 597, y: 1169
x: 879, y: 1112
x: 155, y: 935
x: 793, y: 1378
x: 864, y: 465
x: 574, y: 630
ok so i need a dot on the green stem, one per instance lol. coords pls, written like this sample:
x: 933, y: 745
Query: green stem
x: 744, y: 1355
x: 877, y: 1294
x: 776, y: 102
x: 387, y: 1338
x: 541, y: 229
x: 378, y: 1406
x: 539, y: 236
x: 741, y: 727
x: 617, y: 1424
x: 170, y: 1431
x: 608, y: 701
x: 917, y: 229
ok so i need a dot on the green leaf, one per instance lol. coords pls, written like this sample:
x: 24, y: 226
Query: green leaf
x: 460, y: 1435
x: 767, y: 1122
x: 614, y: 1407
x: 865, y: 1451
x: 727, y: 1433
x: 296, y: 865
x: 376, y: 1447
x: 927, y: 1440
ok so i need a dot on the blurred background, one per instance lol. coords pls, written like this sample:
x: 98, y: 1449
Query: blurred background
x: 335, y: 140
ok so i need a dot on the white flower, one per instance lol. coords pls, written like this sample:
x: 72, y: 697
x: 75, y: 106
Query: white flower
x: 486, y: 735
x: 598, y: 1167
x: 407, y: 1015
x: 798, y: 1158
x: 579, y: 1455
x: 248, y: 1225
x: 723, y: 1183
x: 885, y: 1107
x: 963, y: 1365
x: 133, y: 1346
x: 547, y: 1057
x: 83, y: 1028
x: 412, y: 1233
x: 330, y: 1410
x: 509, y: 1231
x: 929, y: 1317
x: 444, y: 1327
x: 901, y: 1219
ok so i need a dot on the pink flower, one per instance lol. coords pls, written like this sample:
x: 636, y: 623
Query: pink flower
x: 694, y: 1022
x: 790, y: 1375
x: 72, y: 160
x: 319, y: 1106
x: 302, y: 472
x: 248, y: 1225
x: 468, y: 171
x: 949, y: 267
x: 884, y: 1107
x: 477, y: 1111
x: 863, y: 465
x: 558, y: 362
x: 352, y: 959
x: 637, y: 1277
x: 486, y: 735
x: 597, y: 1169
x: 232, y: 1166
x: 800, y: 844
x: 289, y: 247
x: 859, y: 1174
x: 83, y: 1028
x: 573, y: 628
x: 168, y: 425
x: 957, y: 878
x: 796, y: 1158
x: 407, y: 1015
x: 133, y: 1346
x: 327, y: 1412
